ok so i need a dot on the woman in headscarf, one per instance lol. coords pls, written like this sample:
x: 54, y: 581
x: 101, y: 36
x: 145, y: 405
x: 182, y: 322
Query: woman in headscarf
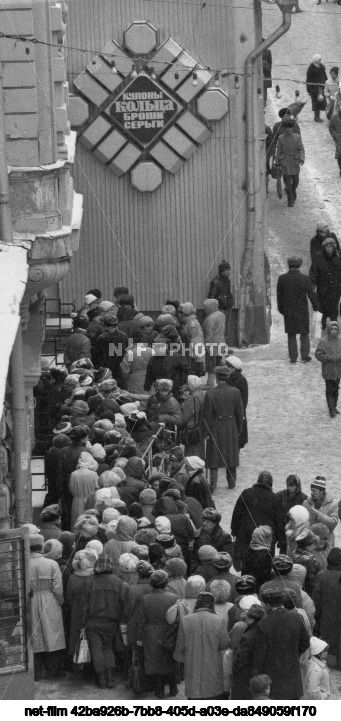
x: 297, y: 523
x: 103, y: 601
x: 258, y: 559
x: 291, y: 496
x: 83, y: 566
x: 192, y: 435
x: 83, y: 481
x: 162, y: 407
x: 151, y: 632
x: 196, y: 486
x: 322, y: 544
x: 221, y: 591
x: 194, y: 585
x: 123, y: 541
x: 238, y: 380
x: 70, y: 456
x: 176, y: 569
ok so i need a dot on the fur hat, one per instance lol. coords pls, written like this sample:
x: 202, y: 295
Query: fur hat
x: 127, y: 562
x: 144, y: 569
x: 273, y: 596
x: 79, y: 408
x: 221, y: 590
x: 145, y: 536
x: 78, y: 433
x: 110, y: 529
x: 283, y: 563
x: 245, y: 584
x: 159, y: 579
x: 187, y: 308
x: 86, y: 526
x: 210, y: 514
x: 53, y: 549
x: 294, y: 262
x: 95, y: 546
x: 147, y: 497
x: 176, y: 568
x: 222, y: 561
x: 35, y: 539
x: 98, y: 452
x: 84, y: 559
x: 61, y: 441
x: 50, y: 513
x: 222, y: 372
x: 166, y: 540
x: 194, y: 585
x: 63, y: 427
x: 67, y: 539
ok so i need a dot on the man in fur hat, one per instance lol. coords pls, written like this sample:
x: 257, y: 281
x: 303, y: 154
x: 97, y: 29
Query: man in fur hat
x: 293, y: 290
x: 290, y: 156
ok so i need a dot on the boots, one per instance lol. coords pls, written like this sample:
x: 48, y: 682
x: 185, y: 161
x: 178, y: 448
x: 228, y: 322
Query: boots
x: 331, y: 406
x: 102, y: 681
x: 317, y: 117
x: 336, y: 398
x: 109, y: 674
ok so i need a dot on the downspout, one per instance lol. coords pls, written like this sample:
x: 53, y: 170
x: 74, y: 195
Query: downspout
x: 286, y: 8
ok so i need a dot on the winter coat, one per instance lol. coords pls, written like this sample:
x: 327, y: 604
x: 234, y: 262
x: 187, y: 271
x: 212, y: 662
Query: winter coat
x: 328, y: 352
x: 123, y: 541
x: 103, y: 600
x: 278, y: 130
x: 316, y: 78
x: 293, y: 290
x: 82, y: 483
x: 258, y: 564
x: 242, y: 664
x: 151, y: 630
x: 280, y: 639
x: 74, y: 591
x: 316, y: 244
x: 325, y: 273
x: 257, y: 506
x: 194, y: 336
x: 231, y: 578
x: 201, y: 638
x: 206, y: 570
x: 288, y: 500
x: 220, y: 288
x: 77, y: 346
x: 222, y: 422
x: 53, y: 475
x: 49, y: 530
x: 134, y: 367
x: 327, y: 600
x: 130, y: 490
x: 310, y: 562
x: 134, y: 598
x: 327, y: 514
x: 335, y: 131
x: 46, y: 605
x: 164, y: 410
x: 197, y: 488
x: 69, y: 460
x: 192, y: 418
x: 176, y: 367
x: 290, y: 153
x: 182, y: 530
x: 237, y: 380
x: 104, y: 357
x: 214, y: 330
x: 317, y: 681
x: 218, y: 538
x: 177, y: 586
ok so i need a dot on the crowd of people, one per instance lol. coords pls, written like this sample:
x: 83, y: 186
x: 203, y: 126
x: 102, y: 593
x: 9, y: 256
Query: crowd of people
x: 129, y: 555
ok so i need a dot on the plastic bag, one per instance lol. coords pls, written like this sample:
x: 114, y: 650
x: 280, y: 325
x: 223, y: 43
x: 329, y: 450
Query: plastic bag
x: 316, y: 325
x: 82, y: 652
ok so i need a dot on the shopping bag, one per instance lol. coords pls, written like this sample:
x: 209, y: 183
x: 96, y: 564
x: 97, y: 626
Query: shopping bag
x: 82, y: 652
x: 316, y: 325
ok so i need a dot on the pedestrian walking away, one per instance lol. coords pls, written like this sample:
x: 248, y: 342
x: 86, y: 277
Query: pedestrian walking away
x: 290, y: 156
x: 293, y: 290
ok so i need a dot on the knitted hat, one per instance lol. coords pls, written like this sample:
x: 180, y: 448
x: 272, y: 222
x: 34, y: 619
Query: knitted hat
x: 98, y: 452
x: 147, y: 497
x: 103, y: 564
x: 135, y: 467
x: 63, y: 427
x: 165, y: 319
x: 195, y: 463
x: 78, y: 433
x: 166, y: 540
x: 334, y: 556
x: 245, y: 584
x: 176, y: 568
x: 283, y: 563
x: 328, y: 241
x: 194, y: 585
x: 222, y: 372
x: 110, y: 514
x: 169, y: 309
x: 105, y: 305
x: 319, y: 483
x: 234, y: 361
x: 144, y: 569
x: 222, y: 561
x: 95, y: 546
x: 159, y: 579
x: 53, y: 549
x: 162, y: 524
x: 50, y: 513
x: 210, y: 514
x: 35, y: 539
x: 221, y: 590
x: 145, y: 536
x: 187, y: 308
x: 110, y: 384
x: 79, y: 408
x: 145, y: 320
x: 207, y: 553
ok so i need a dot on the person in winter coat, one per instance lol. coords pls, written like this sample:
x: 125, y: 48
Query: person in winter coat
x: 298, y: 574
x: 134, y: 482
x: 53, y: 466
x: 195, y: 584
x: 291, y: 496
x: 104, y: 354
x: 236, y: 379
x: 134, y: 364
x: 103, y: 601
x: 282, y: 566
x: 201, y: 638
x: 243, y: 656
x: 83, y: 481
x: 214, y: 336
x: 212, y: 534
x: 322, y: 232
x: 177, y: 570
x: 222, y: 563
x: 167, y: 361
x: 221, y: 591
x: 293, y: 290
x: 78, y: 345
x: 298, y: 522
x: 322, y: 507
x: 290, y: 156
x: 335, y: 131
x: 322, y: 544
x: 192, y: 435
x: 162, y: 407
x: 256, y: 506
x: 305, y: 545
x: 194, y: 337
x: 317, y: 681
x: 223, y: 415
x: 46, y: 590
x: 151, y: 631
x: 49, y: 522
x: 134, y: 596
x: 258, y: 559
x: 327, y: 600
x: 196, y: 486
x: 325, y: 274
x: 83, y: 566
x: 316, y: 78
x: 280, y: 639
x: 123, y: 541
x: 220, y: 288
x: 328, y: 352
x: 69, y: 460
x: 205, y: 556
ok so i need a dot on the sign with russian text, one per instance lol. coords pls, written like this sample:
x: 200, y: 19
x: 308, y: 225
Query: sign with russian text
x: 143, y: 110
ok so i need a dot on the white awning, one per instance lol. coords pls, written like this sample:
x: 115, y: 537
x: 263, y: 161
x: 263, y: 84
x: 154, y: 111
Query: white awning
x: 13, y: 279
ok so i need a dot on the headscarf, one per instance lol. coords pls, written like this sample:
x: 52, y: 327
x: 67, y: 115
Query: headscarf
x: 176, y: 568
x: 84, y: 561
x: 265, y: 479
x: 195, y: 463
x: 207, y: 553
x: 103, y: 564
x: 53, y: 549
x: 194, y: 382
x: 194, y: 585
x: 126, y: 529
x: 86, y: 460
x: 261, y: 539
x: 205, y: 600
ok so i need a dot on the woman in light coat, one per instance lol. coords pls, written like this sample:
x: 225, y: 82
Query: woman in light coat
x: 317, y: 680
x: 83, y: 481
x: 46, y: 589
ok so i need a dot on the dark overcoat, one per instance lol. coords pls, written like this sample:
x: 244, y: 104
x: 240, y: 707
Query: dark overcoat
x: 293, y: 290
x: 327, y: 600
x: 280, y: 639
x: 222, y: 422
x: 134, y: 598
x: 74, y: 592
x: 242, y: 664
x: 325, y: 273
x: 256, y: 506
x: 237, y: 380
x: 316, y: 244
x: 316, y: 78
x: 151, y: 630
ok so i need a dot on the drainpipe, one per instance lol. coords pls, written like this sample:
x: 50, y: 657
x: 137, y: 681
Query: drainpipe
x: 19, y: 417
x: 286, y: 8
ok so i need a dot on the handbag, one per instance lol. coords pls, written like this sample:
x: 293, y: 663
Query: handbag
x: 137, y: 676
x: 82, y: 652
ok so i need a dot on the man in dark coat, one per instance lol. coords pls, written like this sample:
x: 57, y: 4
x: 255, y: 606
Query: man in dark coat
x: 335, y: 131
x: 325, y: 274
x: 78, y: 345
x: 293, y: 290
x: 256, y: 506
x: 316, y: 78
x: 243, y: 656
x: 223, y: 415
x: 220, y: 288
x: 238, y: 380
x: 106, y: 356
x: 280, y: 639
x: 290, y: 156
x: 322, y: 232
x: 327, y: 600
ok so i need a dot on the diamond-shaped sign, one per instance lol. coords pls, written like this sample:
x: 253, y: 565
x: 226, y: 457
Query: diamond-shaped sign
x: 143, y: 110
